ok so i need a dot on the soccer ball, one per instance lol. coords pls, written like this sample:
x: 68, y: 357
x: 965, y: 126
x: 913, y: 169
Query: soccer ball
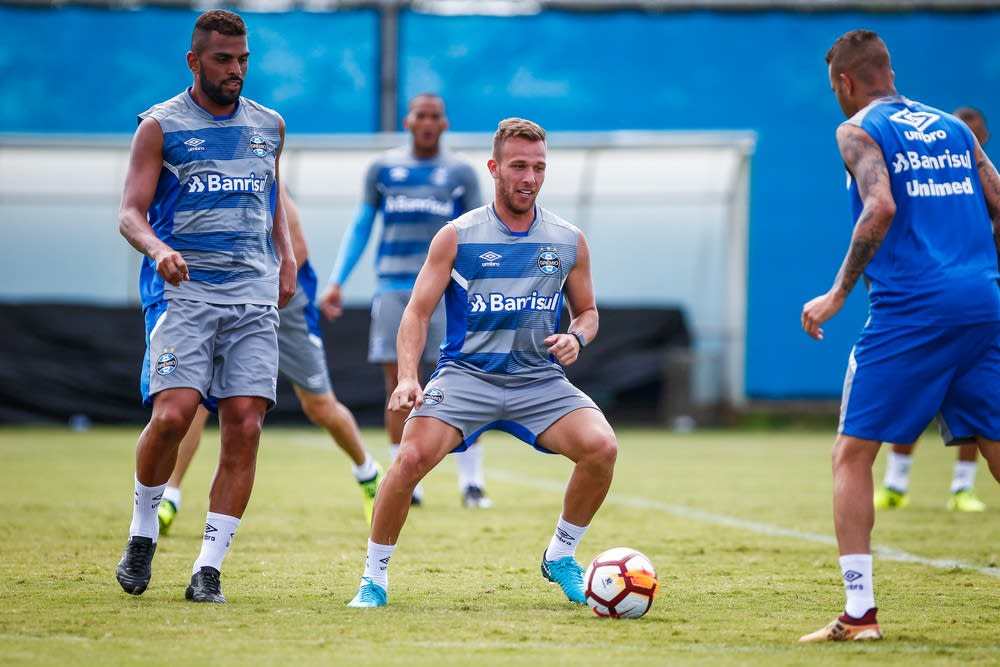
x: 621, y: 583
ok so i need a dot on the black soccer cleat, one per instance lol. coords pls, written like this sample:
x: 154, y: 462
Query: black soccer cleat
x: 205, y: 586
x: 135, y: 569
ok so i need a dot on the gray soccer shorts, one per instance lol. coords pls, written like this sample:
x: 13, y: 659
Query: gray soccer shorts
x: 301, y: 356
x: 387, y: 313
x: 474, y: 401
x: 220, y: 350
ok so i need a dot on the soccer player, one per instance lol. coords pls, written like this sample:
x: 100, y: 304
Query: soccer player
x: 504, y: 271
x: 926, y: 204
x: 896, y: 483
x: 201, y: 203
x: 416, y: 188
x: 301, y: 359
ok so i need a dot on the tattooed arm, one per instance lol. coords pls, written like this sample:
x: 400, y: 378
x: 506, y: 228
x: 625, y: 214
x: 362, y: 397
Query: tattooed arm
x: 991, y: 189
x: 866, y: 163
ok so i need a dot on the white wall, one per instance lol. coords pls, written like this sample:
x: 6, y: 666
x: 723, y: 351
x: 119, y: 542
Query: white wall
x: 665, y: 215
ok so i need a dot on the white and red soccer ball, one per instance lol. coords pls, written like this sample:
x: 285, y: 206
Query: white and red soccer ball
x: 621, y: 583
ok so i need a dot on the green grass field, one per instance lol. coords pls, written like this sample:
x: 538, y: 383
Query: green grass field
x: 738, y: 524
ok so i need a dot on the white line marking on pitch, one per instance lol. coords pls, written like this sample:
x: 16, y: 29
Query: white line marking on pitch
x: 887, y: 553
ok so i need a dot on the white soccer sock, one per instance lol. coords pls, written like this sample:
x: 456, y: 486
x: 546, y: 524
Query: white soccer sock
x: 897, y: 471
x: 220, y: 529
x: 173, y: 494
x: 377, y: 563
x: 857, y: 572
x: 964, y: 476
x: 470, y: 467
x: 564, y: 540
x: 147, y: 501
x: 366, y: 470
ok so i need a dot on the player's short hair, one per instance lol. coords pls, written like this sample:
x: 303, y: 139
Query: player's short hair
x: 216, y: 20
x: 860, y: 53
x: 970, y: 114
x: 515, y: 127
x: 433, y: 96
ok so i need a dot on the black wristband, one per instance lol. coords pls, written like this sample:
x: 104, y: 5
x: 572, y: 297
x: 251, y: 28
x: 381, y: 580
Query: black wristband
x: 580, y: 338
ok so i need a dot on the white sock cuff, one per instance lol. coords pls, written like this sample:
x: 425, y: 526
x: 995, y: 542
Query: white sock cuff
x: 173, y: 494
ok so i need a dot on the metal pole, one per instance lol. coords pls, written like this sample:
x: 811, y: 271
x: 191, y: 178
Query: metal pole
x: 388, y: 64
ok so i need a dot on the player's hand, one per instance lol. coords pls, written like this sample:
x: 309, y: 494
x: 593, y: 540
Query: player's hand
x: 406, y: 396
x: 287, y: 280
x: 564, y: 347
x: 170, y: 265
x: 819, y: 310
x: 330, y: 304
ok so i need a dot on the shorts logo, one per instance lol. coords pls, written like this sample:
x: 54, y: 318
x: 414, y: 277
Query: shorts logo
x: 433, y: 396
x: 258, y: 145
x: 166, y: 364
x: 548, y: 262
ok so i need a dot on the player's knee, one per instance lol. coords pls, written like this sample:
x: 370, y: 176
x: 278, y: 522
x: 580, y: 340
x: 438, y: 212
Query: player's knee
x: 601, y: 448
x: 413, y: 464
x: 170, y: 423
x: 320, y: 409
x: 244, y: 428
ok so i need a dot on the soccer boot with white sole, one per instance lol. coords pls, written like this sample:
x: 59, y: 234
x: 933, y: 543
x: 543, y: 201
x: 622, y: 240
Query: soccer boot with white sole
x: 846, y: 628
x: 370, y: 595
x: 475, y: 498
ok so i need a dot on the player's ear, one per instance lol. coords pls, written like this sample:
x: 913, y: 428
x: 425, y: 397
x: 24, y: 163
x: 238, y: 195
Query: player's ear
x: 491, y: 164
x: 192, y: 61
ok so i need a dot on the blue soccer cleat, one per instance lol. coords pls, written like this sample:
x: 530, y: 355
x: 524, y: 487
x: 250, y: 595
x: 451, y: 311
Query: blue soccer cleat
x: 370, y: 595
x: 568, y: 574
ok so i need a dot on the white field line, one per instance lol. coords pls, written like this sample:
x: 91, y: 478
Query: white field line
x: 883, y: 552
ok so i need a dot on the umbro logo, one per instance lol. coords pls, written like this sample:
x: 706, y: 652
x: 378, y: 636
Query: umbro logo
x: 194, y: 144
x: 209, y: 530
x: 851, y: 575
x: 920, y: 120
x: 490, y: 258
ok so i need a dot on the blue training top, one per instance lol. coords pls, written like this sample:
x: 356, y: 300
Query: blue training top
x: 214, y: 202
x: 938, y: 262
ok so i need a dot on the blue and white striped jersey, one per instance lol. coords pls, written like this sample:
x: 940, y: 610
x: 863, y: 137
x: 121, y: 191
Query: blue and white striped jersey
x: 416, y: 197
x: 215, y: 201
x: 505, y: 296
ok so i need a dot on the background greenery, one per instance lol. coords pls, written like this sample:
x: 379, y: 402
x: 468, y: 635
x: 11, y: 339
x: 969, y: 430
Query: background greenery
x: 738, y: 524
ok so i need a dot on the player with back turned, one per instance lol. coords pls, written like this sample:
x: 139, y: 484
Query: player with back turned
x: 926, y: 204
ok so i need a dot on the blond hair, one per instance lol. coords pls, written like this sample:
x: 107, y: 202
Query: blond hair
x: 515, y: 127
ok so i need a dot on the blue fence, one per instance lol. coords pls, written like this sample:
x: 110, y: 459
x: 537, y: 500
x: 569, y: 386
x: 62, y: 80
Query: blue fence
x: 761, y: 71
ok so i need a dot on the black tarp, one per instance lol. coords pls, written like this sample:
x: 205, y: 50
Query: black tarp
x: 61, y: 360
